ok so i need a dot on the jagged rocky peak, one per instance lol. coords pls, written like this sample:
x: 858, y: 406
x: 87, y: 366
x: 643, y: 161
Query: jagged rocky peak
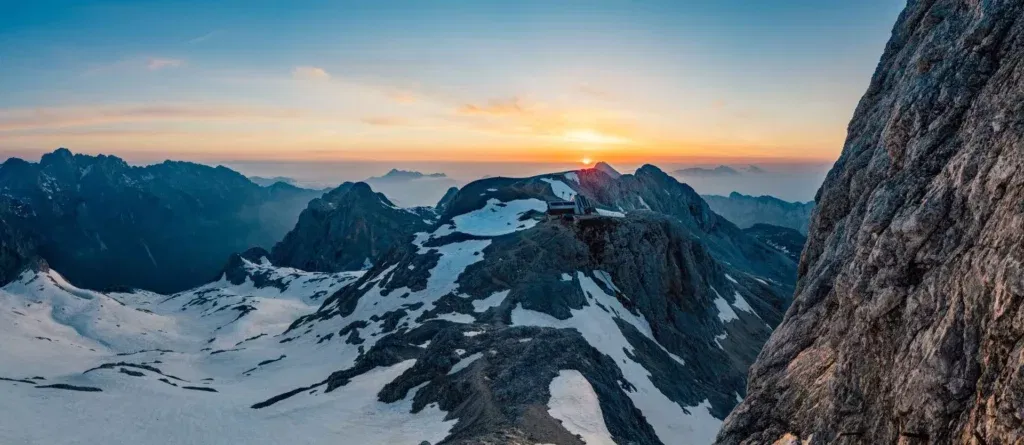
x: 906, y: 325
x: 445, y: 200
x: 607, y: 169
x: 348, y: 228
x: 501, y: 313
x: 163, y: 227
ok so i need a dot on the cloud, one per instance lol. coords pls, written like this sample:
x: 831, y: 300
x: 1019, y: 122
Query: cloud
x: 201, y: 38
x: 157, y: 63
x: 310, y: 73
x: 522, y: 117
x: 404, y: 97
x: 386, y: 121
x: 20, y: 120
x: 594, y: 92
x: 496, y: 107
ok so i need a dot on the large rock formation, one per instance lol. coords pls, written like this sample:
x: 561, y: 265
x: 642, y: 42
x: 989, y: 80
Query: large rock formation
x: 163, y: 227
x: 908, y: 320
x: 348, y: 228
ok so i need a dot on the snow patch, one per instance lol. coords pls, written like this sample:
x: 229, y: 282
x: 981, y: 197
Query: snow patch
x: 497, y: 218
x: 574, y: 402
x: 560, y: 189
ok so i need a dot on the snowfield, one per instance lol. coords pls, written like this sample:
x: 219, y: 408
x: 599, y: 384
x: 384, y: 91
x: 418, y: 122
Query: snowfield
x: 144, y: 368
x: 185, y: 369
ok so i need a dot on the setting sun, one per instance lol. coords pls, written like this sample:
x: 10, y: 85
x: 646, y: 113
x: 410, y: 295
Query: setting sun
x: 585, y: 161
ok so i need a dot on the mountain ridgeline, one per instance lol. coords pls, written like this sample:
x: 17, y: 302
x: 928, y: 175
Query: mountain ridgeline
x: 908, y: 320
x: 347, y: 228
x: 482, y: 320
x: 746, y: 211
x: 164, y: 227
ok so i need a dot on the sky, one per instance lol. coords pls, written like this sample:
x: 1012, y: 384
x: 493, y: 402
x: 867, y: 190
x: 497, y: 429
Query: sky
x: 683, y: 81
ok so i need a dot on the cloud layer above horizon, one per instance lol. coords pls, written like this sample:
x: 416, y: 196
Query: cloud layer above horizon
x: 457, y: 81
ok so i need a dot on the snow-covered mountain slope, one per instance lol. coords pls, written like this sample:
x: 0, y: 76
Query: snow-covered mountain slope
x: 494, y: 325
x: 146, y: 368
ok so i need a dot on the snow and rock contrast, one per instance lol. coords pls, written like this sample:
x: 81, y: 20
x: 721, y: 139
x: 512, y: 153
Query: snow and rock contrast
x: 496, y: 323
x: 908, y: 322
x: 164, y: 227
x: 348, y: 228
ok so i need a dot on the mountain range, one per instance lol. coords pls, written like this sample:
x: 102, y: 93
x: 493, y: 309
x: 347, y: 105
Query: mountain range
x: 412, y: 188
x: 746, y: 211
x: 163, y: 227
x: 478, y: 320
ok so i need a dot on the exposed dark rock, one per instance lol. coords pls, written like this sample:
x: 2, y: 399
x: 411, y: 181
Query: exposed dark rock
x: 347, y: 229
x: 163, y: 227
x: 71, y: 387
x: 908, y: 319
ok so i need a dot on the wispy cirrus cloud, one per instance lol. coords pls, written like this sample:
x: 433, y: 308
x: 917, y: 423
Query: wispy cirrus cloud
x: 495, y: 107
x: 310, y: 73
x: 15, y: 120
x: 202, y: 38
x: 521, y: 116
x: 387, y: 121
x: 159, y: 63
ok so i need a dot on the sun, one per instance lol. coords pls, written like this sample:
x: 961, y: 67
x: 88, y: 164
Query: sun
x: 585, y: 160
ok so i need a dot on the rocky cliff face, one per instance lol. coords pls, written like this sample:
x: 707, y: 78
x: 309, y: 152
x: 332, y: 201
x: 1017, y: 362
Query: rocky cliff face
x: 348, y: 228
x: 163, y: 227
x: 908, y: 320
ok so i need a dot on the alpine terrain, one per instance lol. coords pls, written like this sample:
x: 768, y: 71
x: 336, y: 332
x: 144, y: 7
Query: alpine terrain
x: 908, y: 321
x: 163, y: 227
x: 486, y: 320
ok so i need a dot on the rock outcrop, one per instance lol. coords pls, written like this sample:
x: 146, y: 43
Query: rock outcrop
x: 348, y: 228
x: 908, y: 321
x: 163, y: 227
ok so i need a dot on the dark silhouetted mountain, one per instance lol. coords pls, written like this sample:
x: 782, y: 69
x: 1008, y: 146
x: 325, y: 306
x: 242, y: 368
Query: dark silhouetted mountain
x: 699, y: 172
x: 607, y: 169
x: 405, y: 175
x: 908, y: 320
x: 446, y: 199
x: 267, y: 182
x: 784, y: 239
x: 411, y: 188
x: 348, y: 228
x: 746, y: 211
x: 754, y: 169
x: 163, y: 227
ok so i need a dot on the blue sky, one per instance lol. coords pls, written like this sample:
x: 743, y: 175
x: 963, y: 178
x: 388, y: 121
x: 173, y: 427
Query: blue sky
x: 481, y: 80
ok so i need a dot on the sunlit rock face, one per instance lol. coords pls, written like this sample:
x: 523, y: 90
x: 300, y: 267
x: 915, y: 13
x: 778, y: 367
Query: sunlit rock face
x: 907, y: 319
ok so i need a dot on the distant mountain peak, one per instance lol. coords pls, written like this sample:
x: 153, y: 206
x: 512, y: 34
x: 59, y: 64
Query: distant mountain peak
x: 607, y: 169
x: 721, y: 170
x: 406, y: 175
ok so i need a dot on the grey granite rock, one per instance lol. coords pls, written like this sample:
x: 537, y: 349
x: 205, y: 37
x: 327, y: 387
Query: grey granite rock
x: 908, y: 321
